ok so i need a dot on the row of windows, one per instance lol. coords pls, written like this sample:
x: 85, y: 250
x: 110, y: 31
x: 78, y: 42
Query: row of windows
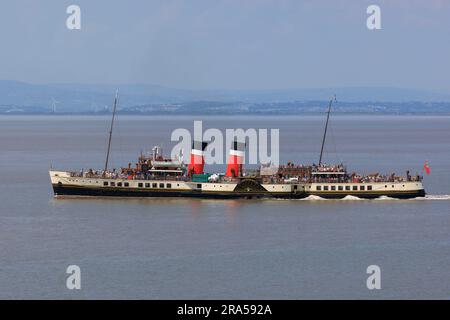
x: 341, y: 188
x: 118, y: 184
x: 140, y: 184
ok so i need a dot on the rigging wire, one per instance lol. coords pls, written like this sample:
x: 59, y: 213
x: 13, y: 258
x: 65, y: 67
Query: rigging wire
x: 334, y: 145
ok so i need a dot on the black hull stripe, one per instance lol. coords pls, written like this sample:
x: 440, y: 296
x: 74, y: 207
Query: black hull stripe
x: 132, y: 192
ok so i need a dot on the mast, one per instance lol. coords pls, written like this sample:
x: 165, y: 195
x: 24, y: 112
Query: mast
x: 110, y: 131
x: 326, y: 128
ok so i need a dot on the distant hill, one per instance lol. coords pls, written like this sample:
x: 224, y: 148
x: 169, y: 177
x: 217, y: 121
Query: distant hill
x: 21, y: 97
x: 289, y: 108
x: 82, y: 98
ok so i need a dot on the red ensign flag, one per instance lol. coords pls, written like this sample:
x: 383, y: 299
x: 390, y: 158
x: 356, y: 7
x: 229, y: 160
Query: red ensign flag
x: 426, y: 167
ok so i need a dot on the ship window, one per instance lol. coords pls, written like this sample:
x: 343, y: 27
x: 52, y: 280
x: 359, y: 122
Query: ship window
x: 385, y: 186
x: 347, y: 188
x: 340, y: 188
x: 147, y: 185
x: 161, y: 185
x: 169, y: 185
x: 325, y: 187
x: 333, y: 187
x: 355, y: 188
x: 369, y: 187
x: 295, y: 187
x: 154, y: 185
x: 119, y: 184
x: 319, y: 188
x: 178, y: 184
x: 105, y: 183
x: 113, y: 184
x: 362, y: 188
x: 140, y: 185
x: 199, y: 186
x: 126, y: 184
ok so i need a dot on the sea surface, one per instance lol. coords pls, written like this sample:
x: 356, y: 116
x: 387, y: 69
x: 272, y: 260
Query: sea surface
x: 223, y: 249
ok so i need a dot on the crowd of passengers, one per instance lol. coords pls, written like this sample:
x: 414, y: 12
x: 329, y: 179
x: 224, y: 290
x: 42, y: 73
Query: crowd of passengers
x: 355, y: 178
x: 114, y: 174
x: 345, y: 178
x: 328, y: 168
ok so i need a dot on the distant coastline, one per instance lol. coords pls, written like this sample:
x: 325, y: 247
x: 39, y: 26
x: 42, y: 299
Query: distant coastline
x: 144, y: 99
x: 240, y: 108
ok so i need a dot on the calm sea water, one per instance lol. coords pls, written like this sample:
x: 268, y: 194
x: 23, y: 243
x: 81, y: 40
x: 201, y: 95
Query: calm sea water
x: 162, y: 248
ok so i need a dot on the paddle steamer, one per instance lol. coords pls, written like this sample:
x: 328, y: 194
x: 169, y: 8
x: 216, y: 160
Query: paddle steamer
x: 154, y: 175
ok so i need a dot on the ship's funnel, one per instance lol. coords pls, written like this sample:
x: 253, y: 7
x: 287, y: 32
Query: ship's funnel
x: 197, y: 162
x: 235, y: 160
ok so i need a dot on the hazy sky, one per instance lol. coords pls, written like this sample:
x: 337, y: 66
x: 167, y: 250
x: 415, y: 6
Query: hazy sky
x: 226, y: 44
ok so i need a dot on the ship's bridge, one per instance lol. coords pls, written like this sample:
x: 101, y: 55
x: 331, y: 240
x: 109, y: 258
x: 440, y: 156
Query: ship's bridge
x: 326, y: 173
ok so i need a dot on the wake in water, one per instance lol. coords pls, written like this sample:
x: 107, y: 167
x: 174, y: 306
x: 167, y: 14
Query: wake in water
x: 381, y: 198
x: 352, y: 198
x: 386, y: 198
x: 434, y: 197
x: 313, y: 197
